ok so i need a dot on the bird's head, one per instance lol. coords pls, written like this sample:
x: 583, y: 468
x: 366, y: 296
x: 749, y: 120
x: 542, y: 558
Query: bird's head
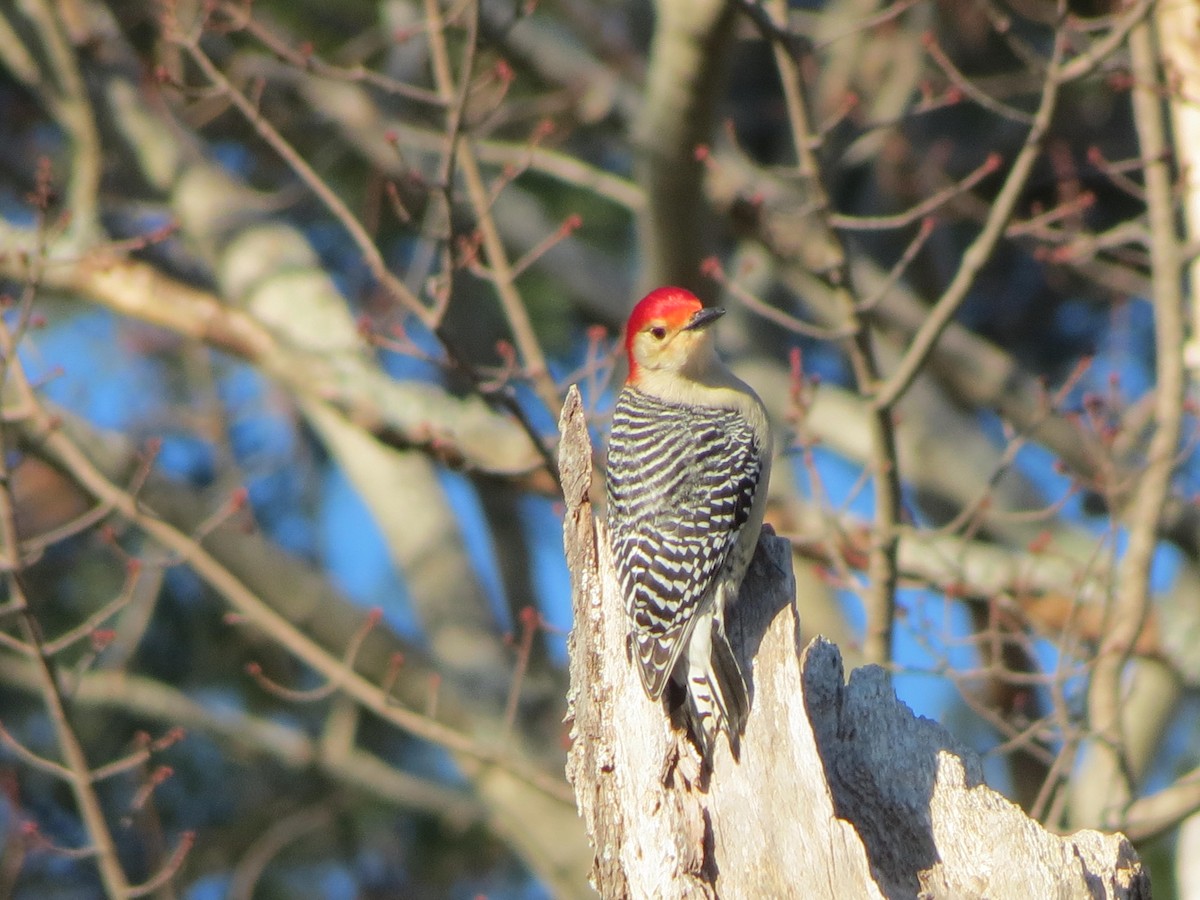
x: 669, y: 334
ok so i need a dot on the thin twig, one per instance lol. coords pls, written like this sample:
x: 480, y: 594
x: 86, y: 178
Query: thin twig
x: 32, y: 759
x: 305, y: 59
x: 169, y: 869
x: 896, y: 272
x: 96, y: 619
x: 923, y: 209
x: 529, y: 621
x: 1084, y: 63
x: 140, y: 755
x: 714, y: 270
x: 329, y: 687
x: 968, y: 87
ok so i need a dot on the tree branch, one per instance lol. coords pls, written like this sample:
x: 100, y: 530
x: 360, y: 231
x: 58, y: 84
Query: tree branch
x: 1131, y: 600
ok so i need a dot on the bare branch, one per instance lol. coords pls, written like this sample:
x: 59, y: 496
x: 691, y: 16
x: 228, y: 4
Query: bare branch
x: 1131, y: 600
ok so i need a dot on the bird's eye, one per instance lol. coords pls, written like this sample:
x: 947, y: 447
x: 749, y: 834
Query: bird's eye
x: 658, y: 332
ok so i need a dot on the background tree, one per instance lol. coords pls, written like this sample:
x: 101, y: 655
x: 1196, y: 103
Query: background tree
x: 293, y: 296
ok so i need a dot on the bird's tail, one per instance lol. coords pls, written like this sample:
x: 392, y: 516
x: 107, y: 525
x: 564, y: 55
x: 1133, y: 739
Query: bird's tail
x: 717, y: 699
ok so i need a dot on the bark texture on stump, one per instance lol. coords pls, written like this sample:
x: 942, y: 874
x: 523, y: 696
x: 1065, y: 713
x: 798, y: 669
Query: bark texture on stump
x: 840, y: 791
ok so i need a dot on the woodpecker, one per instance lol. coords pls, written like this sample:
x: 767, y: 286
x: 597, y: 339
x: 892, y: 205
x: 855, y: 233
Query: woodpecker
x: 689, y: 458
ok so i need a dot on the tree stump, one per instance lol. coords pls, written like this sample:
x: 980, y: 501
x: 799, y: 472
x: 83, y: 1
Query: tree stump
x: 840, y: 791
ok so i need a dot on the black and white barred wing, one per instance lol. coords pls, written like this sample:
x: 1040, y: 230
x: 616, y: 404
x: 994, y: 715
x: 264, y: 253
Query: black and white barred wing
x: 680, y: 485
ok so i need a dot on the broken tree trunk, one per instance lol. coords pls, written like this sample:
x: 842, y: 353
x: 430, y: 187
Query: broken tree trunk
x: 839, y: 792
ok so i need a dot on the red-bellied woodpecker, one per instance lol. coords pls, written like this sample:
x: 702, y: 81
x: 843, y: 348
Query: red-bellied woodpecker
x: 688, y: 463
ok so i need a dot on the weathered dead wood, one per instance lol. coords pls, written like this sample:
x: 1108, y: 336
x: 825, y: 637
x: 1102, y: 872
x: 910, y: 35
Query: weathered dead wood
x: 840, y: 791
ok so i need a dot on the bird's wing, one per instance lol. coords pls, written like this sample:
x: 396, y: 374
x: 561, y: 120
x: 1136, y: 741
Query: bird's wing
x: 675, y: 523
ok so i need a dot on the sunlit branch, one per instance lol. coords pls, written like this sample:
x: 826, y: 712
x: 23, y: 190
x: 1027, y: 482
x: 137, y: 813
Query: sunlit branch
x: 1131, y: 599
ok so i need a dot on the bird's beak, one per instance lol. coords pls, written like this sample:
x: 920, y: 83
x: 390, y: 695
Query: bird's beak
x: 703, y: 318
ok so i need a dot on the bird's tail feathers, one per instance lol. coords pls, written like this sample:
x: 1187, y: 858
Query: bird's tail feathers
x: 717, y: 699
